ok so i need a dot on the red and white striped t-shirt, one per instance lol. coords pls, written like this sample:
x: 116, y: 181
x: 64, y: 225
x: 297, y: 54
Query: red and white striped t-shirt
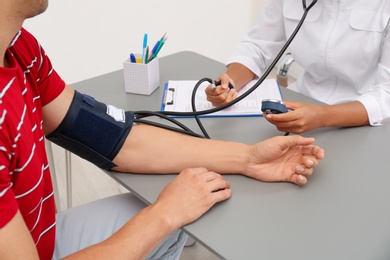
x: 25, y: 183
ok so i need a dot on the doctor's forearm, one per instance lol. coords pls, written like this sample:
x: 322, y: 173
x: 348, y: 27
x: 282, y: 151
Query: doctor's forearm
x: 347, y: 114
x: 240, y: 74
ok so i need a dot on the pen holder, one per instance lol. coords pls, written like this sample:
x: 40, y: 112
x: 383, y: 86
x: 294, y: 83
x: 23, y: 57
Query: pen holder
x: 141, y: 78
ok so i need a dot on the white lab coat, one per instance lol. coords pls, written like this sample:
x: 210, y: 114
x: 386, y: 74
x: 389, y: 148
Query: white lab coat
x: 343, y: 46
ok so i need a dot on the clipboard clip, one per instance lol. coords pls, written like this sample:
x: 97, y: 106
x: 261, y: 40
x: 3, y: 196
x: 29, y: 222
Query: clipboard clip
x: 168, y: 91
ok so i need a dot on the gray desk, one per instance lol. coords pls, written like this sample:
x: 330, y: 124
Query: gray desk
x: 342, y: 213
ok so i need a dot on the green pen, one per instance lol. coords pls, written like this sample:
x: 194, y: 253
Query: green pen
x: 147, y: 55
x: 159, y: 47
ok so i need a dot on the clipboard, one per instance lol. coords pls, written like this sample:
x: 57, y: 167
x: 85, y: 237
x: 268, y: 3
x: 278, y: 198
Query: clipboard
x: 177, y: 97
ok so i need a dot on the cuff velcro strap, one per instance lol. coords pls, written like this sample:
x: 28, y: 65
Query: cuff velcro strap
x: 93, y: 130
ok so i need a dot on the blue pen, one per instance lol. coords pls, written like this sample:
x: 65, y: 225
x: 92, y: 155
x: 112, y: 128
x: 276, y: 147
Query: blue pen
x: 154, y: 50
x: 132, y: 58
x: 159, y: 45
x: 145, y: 43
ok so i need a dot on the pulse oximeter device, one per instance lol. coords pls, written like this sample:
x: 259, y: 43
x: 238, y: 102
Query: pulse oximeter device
x: 273, y: 106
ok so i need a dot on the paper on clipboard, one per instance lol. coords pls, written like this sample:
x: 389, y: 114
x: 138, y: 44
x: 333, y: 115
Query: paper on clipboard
x: 177, y: 97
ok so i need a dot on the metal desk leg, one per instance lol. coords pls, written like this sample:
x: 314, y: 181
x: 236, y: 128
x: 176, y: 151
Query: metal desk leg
x: 68, y: 170
x: 50, y: 159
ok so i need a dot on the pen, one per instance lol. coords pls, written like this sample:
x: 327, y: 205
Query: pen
x: 159, y: 48
x: 132, y: 58
x: 145, y: 43
x: 147, y: 55
x: 162, y: 39
x: 154, y: 50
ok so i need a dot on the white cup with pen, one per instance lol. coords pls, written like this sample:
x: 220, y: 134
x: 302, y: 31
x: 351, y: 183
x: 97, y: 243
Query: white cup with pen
x: 142, y: 71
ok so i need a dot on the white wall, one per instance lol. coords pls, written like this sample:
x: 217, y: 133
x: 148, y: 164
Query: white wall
x: 91, y: 37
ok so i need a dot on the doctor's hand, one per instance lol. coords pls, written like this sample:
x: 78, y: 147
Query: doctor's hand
x: 222, y: 94
x: 192, y: 193
x: 301, y: 118
x: 283, y: 159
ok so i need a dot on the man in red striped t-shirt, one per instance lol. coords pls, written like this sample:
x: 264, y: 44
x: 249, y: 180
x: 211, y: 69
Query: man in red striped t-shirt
x: 25, y: 172
x: 34, y: 102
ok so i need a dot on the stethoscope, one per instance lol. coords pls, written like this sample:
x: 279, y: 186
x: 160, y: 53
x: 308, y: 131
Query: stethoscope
x: 270, y: 105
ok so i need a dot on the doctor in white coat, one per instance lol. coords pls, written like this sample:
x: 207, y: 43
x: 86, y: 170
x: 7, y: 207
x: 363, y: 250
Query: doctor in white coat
x: 344, y: 49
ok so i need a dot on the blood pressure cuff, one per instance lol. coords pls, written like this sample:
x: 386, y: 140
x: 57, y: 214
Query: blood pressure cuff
x: 93, y: 130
